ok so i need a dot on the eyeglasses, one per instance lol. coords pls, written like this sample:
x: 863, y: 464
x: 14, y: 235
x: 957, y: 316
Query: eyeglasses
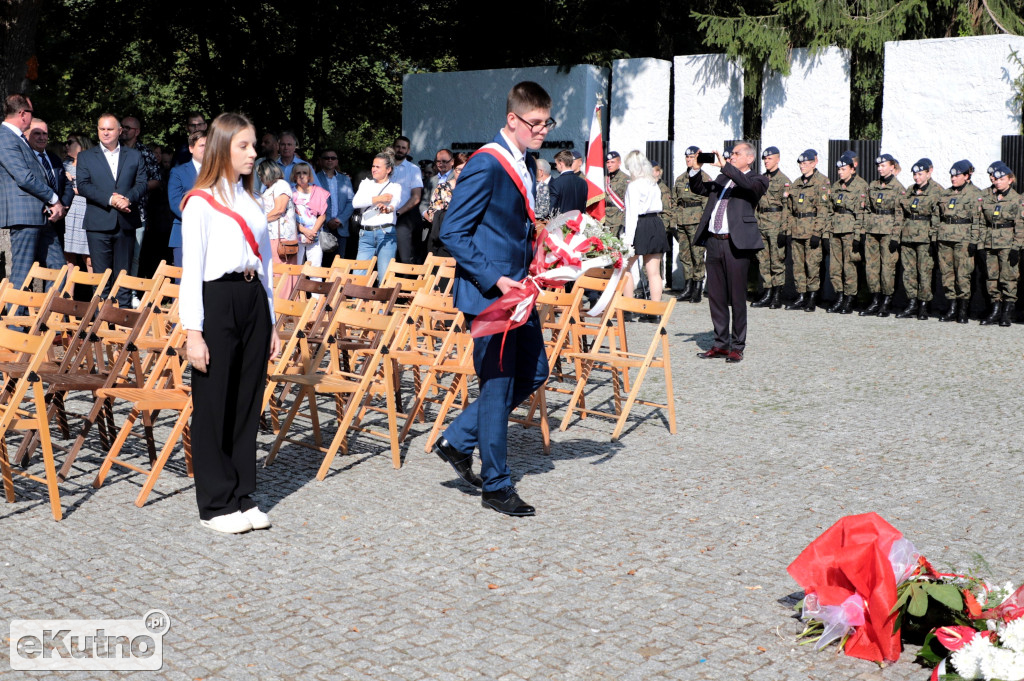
x: 536, y: 127
x: 328, y: 158
x: 442, y: 161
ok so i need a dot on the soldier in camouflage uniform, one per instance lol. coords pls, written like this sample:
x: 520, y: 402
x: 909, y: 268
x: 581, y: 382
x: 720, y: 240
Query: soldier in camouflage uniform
x: 771, y: 259
x: 882, y: 224
x: 807, y: 205
x: 917, y: 240
x: 687, y: 208
x: 615, y: 182
x: 960, y: 222
x: 666, y: 216
x: 845, y: 231
x: 1002, y: 239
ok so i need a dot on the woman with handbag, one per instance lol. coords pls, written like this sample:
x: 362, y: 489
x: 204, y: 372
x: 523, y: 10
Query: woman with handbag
x: 227, y: 307
x: 310, y: 214
x: 378, y: 198
x: 277, y: 203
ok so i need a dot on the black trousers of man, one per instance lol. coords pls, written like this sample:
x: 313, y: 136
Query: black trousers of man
x: 408, y: 231
x: 228, y: 395
x: 113, y: 250
x: 727, y: 268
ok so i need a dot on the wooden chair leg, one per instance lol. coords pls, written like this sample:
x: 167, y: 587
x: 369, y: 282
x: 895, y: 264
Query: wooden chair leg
x: 630, y: 400
x: 115, y: 449
x: 279, y: 440
x: 5, y: 468
x: 179, y: 427
x: 583, y: 369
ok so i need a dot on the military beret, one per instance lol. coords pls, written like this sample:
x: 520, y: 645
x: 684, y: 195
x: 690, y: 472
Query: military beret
x: 655, y: 164
x: 770, y: 151
x: 690, y: 151
x: 999, y: 169
x: 611, y: 154
x: 808, y: 155
x: 885, y: 157
x: 846, y: 159
x: 922, y: 165
x: 963, y: 167
x: 576, y: 154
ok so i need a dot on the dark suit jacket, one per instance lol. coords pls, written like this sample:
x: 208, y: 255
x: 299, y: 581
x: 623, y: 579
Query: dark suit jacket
x: 749, y: 188
x: 179, y: 183
x: 97, y: 185
x: 568, y: 193
x: 23, y: 188
x: 487, y: 230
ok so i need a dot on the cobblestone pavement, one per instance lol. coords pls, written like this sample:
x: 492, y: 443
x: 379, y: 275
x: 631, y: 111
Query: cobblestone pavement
x: 655, y: 557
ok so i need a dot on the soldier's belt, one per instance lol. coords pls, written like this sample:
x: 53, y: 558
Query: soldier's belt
x: 956, y: 221
x: 919, y: 218
x: 884, y: 212
x: 812, y: 214
x: 691, y: 204
x: 776, y: 209
x: 1002, y: 225
x: 844, y: 211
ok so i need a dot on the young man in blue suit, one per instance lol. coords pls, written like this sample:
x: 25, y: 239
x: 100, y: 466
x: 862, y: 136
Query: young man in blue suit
x: 488, y: 229
x: 112, y: 178
x: 181, y: 180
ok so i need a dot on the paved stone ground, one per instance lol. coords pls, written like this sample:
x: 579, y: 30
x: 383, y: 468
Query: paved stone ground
x: 658, y: 556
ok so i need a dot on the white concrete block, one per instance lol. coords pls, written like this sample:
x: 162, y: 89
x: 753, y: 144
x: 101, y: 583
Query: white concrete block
x: 807, y: 108
x: 465, y: 109
x: 949, y: 99
x: 640, y: 103
x: 708, y: 105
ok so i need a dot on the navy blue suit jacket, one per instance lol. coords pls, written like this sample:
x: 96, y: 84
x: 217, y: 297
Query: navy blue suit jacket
x: 487, y: 231
x: 97, y: 185
x: 179, y: 183
x: 568, y: 193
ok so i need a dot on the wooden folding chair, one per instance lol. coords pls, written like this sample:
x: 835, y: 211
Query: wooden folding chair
x: 24, y: 409
x: 95, y: 280
x: 345, y: 266
x: 44, y: 276
x: 143, y: 289
x: 285, y: 275
x: 293, y: 329
x: 621, y: 361
x: 25, y: 307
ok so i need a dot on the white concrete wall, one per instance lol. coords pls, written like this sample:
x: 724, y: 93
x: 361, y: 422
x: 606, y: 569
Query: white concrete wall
x: 640, y: 103
x: 708, y: 105
x: 807, y: 108
x: 442, y: 109
x: 949, y: 99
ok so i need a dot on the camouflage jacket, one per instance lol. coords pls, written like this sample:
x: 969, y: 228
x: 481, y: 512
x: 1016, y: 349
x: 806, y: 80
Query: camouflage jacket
x: 613, y: 215
x: 883, y: 207
x: 1004, y: 225
x: 807, y: 206
x: 920, y: 206
x: 847, y: 206
x: 771, y: 215
x: 960, y: 217
x: 687, y: 207
x: 666, y: 204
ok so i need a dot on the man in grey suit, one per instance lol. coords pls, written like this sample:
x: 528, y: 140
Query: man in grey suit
x: 26, y: 201
x: 112, y: 178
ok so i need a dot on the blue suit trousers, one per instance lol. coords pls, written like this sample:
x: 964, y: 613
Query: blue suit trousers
x: 503, y: 385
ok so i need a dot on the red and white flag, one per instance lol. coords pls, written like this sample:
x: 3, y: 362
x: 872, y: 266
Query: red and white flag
x: 594, y: 169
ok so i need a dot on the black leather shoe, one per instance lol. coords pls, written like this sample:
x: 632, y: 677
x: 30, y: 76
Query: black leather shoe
x: 765, y: 299
x: 838, y: 304
x: 776, y: 299
x: 698, y: 289
x: 1006, y: 319
x: 997, y: 310
x: 506, y: 500
x: 884, y: 310
x: 847, y: 305
x: 922, y: 310
x: 964, y: 315
x: 799, y: 303
x: 462, y: 463
x: 910, y: 311
x: 812, y: 302
x: 687, y: 290
x: 951, y: 313
x: 872, y: 309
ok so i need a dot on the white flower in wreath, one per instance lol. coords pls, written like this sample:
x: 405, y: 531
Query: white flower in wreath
x: 1012, y: 636
x: 967, y: 660
x: 1003, y: 664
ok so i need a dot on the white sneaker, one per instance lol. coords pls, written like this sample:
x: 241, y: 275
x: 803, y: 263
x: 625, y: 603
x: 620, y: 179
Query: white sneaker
x: 230, y: 523
x: 257, y: 518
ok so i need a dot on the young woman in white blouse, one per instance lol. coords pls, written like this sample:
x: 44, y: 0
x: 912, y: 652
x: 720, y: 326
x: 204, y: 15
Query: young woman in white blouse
x: 227, y: 307
x: 378, y: 197
x: 644, y: 230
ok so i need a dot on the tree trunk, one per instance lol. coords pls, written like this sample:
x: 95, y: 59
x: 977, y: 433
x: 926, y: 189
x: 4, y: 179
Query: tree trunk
x: 18, y: 39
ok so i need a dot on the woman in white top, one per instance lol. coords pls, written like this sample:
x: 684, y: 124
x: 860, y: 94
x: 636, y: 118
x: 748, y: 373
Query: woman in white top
x: 227, y: 307
x: 277, y: 204
x: 644, y: 230
x: 378, y: 198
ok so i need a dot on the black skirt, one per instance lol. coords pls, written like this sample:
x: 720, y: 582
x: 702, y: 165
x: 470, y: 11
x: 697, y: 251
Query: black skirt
x: 650, y: 236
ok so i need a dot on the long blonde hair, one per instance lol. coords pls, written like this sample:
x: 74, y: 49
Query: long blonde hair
x: 217, y: 164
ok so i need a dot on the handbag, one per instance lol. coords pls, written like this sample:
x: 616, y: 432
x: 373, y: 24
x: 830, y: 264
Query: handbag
x: 328, y: 242
x: 287, y: 247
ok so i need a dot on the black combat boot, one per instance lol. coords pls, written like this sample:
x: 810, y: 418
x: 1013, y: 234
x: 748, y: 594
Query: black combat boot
x: 776, y: 299
x: 964, y: 314
x: 993, y: 317
x: 872, y: 309
x: 812, y: 302
x: 799, y: 303
x: 847, y: 306
x: 838, y: 304
x: 687, y: 290
x: 954, y: 308
x: 765, y: 299
x: 910, y: 311
x: 884, y: 310
x: 1007, y: 317
x: 922, y: 310
x: 698, y: 289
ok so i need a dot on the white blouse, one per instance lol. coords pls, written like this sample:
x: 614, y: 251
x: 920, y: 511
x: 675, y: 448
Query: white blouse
x: 364, y: 199
x: 284, y: 226
x: 642, y: 196
x: 213, y: 245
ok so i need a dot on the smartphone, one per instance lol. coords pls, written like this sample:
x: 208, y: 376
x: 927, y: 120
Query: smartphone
x: 705, y: 158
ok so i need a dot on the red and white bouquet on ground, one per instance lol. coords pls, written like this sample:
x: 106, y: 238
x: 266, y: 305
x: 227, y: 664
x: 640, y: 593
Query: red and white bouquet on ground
x: 867, y: 587
x: 565, y: 248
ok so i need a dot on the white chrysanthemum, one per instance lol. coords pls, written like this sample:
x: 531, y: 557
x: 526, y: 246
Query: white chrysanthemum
x: 967, y: 660
x: 1012, y: 635
x: 1002, y: 664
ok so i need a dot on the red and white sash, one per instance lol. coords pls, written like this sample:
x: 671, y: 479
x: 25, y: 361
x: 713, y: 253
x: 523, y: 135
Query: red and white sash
x: 506, y: 160
x: 224, y: 210
x: 616, y: 199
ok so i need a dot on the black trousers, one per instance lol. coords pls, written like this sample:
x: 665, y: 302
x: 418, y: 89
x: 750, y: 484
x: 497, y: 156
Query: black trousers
x: 409, y: 238
x: 727, y: 268
x: 113, y: 250
x: 227, y: 397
